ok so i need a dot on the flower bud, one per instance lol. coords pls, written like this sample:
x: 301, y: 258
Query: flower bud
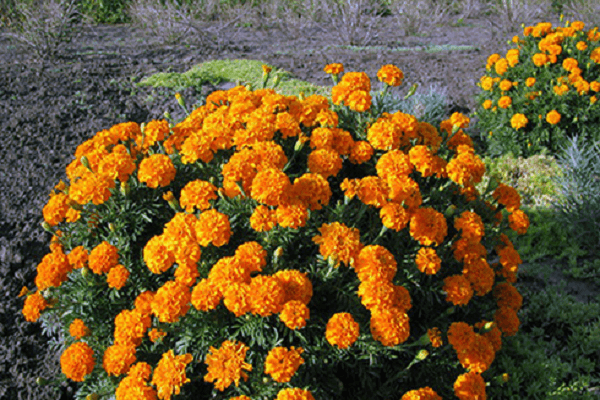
x: 85, y: 272
x: 124, y: 188
x: 167, y: 115
x: 276, y: 81
x: 487, y: 327
x: 47, y: 227
x: 180, y: 99
x: 450, y: 211
x: 421, y: 355
x: 41, y: 381
x: 278, y: 252
x: 85, y: 162
x: 412, y: 91
x: 93, y: 396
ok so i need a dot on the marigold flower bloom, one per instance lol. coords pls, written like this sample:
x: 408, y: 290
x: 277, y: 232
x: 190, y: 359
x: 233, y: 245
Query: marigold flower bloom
x: 539, y: 59
x: 117, y: 277
x: 470, y: 386
x: 33, y: 305
x: 507, y: 320
x: 339, y: 242
x: 91, y: 187
x: 118, y: 164
x: 394, y: 164
x: 504, y: 102
x: 77, y: 329
x: 271, y: 187
x: 428, y: 226
x: 103, y: 257
x: 553, y: 117
x: 372, y: 191
x: 427, y: 260
x: 312, y: 190
x: 327, y: 118
x: 78, y: 257
x: 169, y: 375
x: 375, y: 262
x: 458, y: 290
x: 435, y: 337
x: 156, y: 334
x: 295, y: 285
x: 518, y: 121
x: 282, y: 363
x: 512, y: 56
x: 205, y: 297
x: 466, y: 168
x: 171, y: 301
x: 394, y: 216
x: 518, y: 222
x: 226, y: 365
x: 294, y: 394
x: 342, y: 330
x: 294, y: 314
x: 334, y: 69
x: 143, y: 302
x: 236, y: 298
x: 52, y: 271
x: 507, y: 296
x: 266, y: 295
x: 389, y: 326
x: 491, y: 60
x: 581, y: 46
x: 118, y: 358
x: 263, y: 219
x: 507, y: 196
x: 425, y: 393
x: 486, y: 83
x: 471, y: 226
x: 213, y: 228
x: 529, y: 82
x: 156, y: 170
x: 595, y: 55
x: 480, y: 274
x: 326, y: 162
x: 56, y: 210
x: 391, y: 75
x: 360, y: 152
x: 196, y: 194
x: 77, y: 361
x: 157, y: 256
x: 131, y: 326
x: 479, y: 356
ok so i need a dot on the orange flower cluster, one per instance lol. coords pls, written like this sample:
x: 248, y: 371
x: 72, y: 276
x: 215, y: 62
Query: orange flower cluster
x: 77, y: 361
x: 353, y: 91
x: 294, y: 394
x: 339, y: 243
x: 425, y: 393
x: 78, y: 329
x: 34, y: 305
x: 169, y: 375
x: 135, y: 385
x: 118, y: 358
x: 282, y: 363
x: 226, y: 365
x: 390, y: 75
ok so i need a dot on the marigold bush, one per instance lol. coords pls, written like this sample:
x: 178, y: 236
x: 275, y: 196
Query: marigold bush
x: 281, y: 247
x: 544, y: 91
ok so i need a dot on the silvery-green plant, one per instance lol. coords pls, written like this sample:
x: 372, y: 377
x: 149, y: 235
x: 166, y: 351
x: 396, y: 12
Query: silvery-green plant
x: 579, y: 205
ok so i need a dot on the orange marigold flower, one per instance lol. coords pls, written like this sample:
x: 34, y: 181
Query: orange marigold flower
x: 486, y: 83
x: 295, y: 285
x: 479, y: 356
x: 581, y: 46
x: 390, y: 75
x: 470, y: 225
x: 77, y: 361
x: 507, y: 296
x: 372, y: 191
x: 143, y: 302
x: 470, y: 386
x: 487, y: 104
x: 103, y: 257
x: 327, y: 118
x: 595, y: 55
x: 529, y: 82
x: 187, y: 274
x: 266, y: 295
x: 427, y: 260
x: 213, y: 227
x: 156, y: 334
x: 156, y: 170
x: 393, y: 165
x: 501, y: 66
x: 480, y: 274
x: 339, y: 242
x: 461, y: 336
x: 271, y: 187
x: 197, y: 194
x: 34, y: 304
x: 504, y: 102
x: 342, y: 330
x: 282, y: 363
x: 553, y: 117
x: 540, y: 59
x: 313, y: 190
x: 117, y: 277
x: 428, y: 226
x: 157, y: 256
x: 118, y: 164
x: 394, y: 216
x: 263, y: 219
x: 375, y: 262
x: 252, y: 256
x: 326, y: 162
x: 52, y: 271
x: 77, y: 329
x: 132, y: 387
x: 379, y: 294
x: 130, y: 326
x: 294, y: 394
x: 56, y: 210
x: 91, y: 187
x: 78, y: 257
x: 118, y: 359
x: 389, y: 326
x: 519, y: 222
x: 236, y: 298
x: 294, y: 314
x: 292, y: 216
x: 154, y: 131
x: 226, y: 365
x: 466, y: 168
x: 426, y: 162
x: 507, y: 196
x: 205, y: 297
x: 435, y: 337
x: 512, y: 56
x: 518, y: 121
x: 361, y: 152
x: 507, y: 320
x: 171, y: 301
x: 169, y: 375
x: 458, y: 290
x: 491, y: 60
x: 334, y: 69
x: 425, y: 393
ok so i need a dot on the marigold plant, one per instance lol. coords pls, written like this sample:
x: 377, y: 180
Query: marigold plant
x: 542, y: 92
x: 281, y: 247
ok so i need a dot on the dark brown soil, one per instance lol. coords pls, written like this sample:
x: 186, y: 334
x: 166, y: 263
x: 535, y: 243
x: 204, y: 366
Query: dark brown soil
x: 48, y: 108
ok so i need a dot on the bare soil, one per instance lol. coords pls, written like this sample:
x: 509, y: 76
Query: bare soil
x: 48, y: 108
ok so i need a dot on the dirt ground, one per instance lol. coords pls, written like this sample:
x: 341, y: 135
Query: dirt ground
x: 48, y: 108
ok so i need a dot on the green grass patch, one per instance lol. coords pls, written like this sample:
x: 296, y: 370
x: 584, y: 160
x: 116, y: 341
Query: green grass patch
x: 236, y: 71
